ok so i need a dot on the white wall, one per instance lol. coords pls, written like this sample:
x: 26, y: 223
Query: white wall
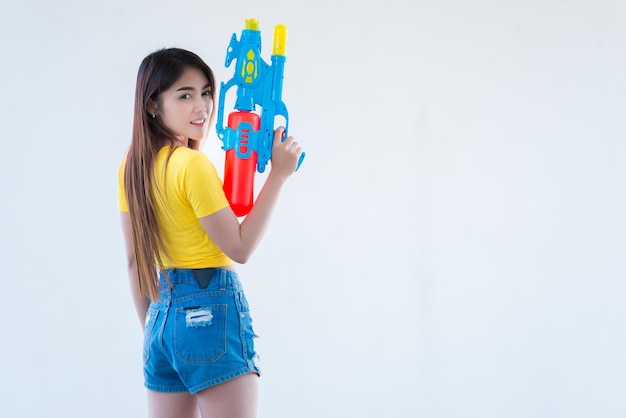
x: 453, y: 245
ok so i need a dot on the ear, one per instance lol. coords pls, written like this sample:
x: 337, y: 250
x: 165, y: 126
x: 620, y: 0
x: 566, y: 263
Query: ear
x: 151, y: 107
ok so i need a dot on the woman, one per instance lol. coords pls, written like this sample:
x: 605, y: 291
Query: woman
x: 182, y: 239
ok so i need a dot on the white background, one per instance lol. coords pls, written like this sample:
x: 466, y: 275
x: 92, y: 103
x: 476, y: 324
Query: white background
x: 453, y: 245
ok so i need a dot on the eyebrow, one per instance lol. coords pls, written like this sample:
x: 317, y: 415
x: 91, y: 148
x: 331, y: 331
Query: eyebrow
x: 187, y: 88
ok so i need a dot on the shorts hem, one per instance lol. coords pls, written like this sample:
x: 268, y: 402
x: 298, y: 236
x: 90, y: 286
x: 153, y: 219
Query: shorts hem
x: 204, y: 385
x: 168, y: 389
x: 221, y: 379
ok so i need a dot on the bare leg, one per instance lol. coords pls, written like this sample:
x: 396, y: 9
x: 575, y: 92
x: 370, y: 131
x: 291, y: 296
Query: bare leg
x: 172, y: 405
x: 235, y: 398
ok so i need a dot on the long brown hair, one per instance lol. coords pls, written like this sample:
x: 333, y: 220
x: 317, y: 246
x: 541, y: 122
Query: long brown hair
x: 157, y: 72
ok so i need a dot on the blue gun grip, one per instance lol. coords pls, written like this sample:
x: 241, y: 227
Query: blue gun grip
x: 300, y: 160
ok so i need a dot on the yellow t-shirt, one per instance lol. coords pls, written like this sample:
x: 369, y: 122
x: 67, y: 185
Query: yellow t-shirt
x: 190, y: 190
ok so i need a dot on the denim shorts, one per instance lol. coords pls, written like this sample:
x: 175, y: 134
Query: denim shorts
x: 199, y: 333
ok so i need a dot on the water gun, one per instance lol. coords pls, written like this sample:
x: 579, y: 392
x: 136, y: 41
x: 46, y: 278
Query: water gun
x: 248, y: 138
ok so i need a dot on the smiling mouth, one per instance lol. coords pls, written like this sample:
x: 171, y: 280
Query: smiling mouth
x: 198, y: 122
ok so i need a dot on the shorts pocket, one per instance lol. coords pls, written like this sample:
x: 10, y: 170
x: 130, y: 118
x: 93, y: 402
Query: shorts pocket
x: 151, y: 317
x: 200, y: 333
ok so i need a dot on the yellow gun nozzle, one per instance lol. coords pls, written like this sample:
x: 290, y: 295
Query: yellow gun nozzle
x: 251, y: 24
x: 280, y: 40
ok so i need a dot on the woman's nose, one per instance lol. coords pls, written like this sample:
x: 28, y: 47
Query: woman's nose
x: 201, y: 105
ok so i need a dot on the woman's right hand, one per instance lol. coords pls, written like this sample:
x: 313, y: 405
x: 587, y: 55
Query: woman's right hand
x: 285, y: 155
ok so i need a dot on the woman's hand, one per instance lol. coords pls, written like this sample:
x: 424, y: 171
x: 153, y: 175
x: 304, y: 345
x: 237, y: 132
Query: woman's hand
x: 285, y: 155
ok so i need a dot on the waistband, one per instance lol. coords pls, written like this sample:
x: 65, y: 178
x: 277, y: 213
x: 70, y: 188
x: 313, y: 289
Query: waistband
x: 206, y: 278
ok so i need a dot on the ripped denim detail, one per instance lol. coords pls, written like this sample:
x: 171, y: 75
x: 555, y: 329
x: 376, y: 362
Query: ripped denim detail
x: 198, y: 317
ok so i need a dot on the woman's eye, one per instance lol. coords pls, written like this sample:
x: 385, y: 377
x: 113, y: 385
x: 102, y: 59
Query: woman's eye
x: 185, y: 96
x: 207, y: 93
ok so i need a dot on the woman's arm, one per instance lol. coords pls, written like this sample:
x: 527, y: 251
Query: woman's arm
x: 141, y: 303
x: 238, y: 241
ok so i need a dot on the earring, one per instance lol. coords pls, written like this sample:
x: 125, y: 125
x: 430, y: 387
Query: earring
x: 153, y: 115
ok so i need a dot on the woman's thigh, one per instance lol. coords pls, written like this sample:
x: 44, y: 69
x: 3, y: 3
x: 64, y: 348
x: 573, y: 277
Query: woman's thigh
x: 235, y: 398
x: 172, y: 405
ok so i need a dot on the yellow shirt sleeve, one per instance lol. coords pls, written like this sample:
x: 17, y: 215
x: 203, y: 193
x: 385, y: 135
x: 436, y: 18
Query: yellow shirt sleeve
x: 203, y: 186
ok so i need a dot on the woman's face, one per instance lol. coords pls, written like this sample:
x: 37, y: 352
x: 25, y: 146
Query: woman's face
x: 185, y: 107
